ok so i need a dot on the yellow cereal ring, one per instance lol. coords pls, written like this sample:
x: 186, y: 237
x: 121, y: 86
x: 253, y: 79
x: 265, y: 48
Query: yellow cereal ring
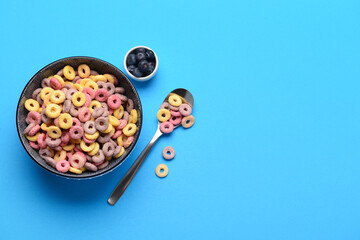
x: 61, y: 155
x: 99, y: 78
x: 134, y: 116
x: 77, y: 87
x: 129, y: 129
x: 92, y: 136
x: 93, y: 105
x: 70, y: 83
x: 91, y: 84
x: 109, y: 129
x: 95, y: 150
x: 75, y: 170
x: 83, y: 169
x: 44, y: 127
x: 75, y: 141
x: 69, y: 72
x: 32, y: 138
x: 86, y: 147
x: 163, y: 115
x: 120, y: 140
x: 84, y: 71
x: 119, y: 112
x: 65, y: 121
x: 69, y: 147
x: 109, y: 78
x: 120, y: 153
x: 61, y: 80
x: 39, y: 110
x: 53, y: 110
x: 54, y: 132
x: 32, y: 105
x: 112, y: 132
x: 47, y: 100
x: 114, y: 121
x: 163, y: 173
x: 84, y: 81
x: 175, y: 100
x: 57, y: 96
x: 78, y: 99
x: 46, y: 91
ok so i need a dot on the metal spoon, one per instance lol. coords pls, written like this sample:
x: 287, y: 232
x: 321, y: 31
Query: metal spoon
x: 126, y: 180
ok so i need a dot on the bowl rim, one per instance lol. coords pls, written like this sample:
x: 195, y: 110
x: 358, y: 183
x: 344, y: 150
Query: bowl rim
x: 141, y: 78
x: 80, y: 177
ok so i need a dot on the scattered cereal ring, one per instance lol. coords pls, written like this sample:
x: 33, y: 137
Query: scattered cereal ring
x: 69, y: 147
x: 91, y: 84
x: 129, y: 129
x: 163, y: 115
x: 45, y: 83
x: 108, y: 149
x: 83, y: 71
x: 32, y: 105
x: 78, y: 99
x: 188, y: 121
x: 185, y: 109
x: 51, y: 142
x: 65, y: 121
x: 129, y: 105
x: 57, y: 96
x: 166, y: 127
x: 162, y: 170
x: 168, y: 153
x: 45, y: 153
x: 53, y: 110
x: 175, y: 120
x: 69, y: 72
x: 175, y: 100
x: 54, y: 132
x: 62, y: 166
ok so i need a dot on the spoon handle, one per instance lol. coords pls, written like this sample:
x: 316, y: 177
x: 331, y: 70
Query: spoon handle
x: 126, y: 180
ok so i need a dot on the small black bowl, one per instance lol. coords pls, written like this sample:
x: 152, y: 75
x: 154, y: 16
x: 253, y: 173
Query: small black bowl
x: 101, y: 67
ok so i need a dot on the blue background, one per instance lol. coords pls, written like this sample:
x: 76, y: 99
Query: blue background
x: 274, y: 152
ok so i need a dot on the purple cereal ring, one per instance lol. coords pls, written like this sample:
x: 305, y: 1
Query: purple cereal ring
x: 36, y: 92
x: 101, y: 95
x: 175, y: 113
x: 67, y: 86
x: 168, y: 153
x: 171, y: 107
x: 39, y: 100
x: 122, y: 97
x: 62, y: 166
x: 28, y: 128
x: 84, y: 114
x: 101, y: 85
x: 89, y: 127
x: 41, y: 140
x: 77, y: 160
x: 45, y: 153
x: 116, y: 134
x: 88, y: 158
x: 113, y: 143
x: 164, y: 105
x: 73, y: 111
x: 66, y: 106
x: 55, y: 84
x: 34, y: 116
x: 76, y: 132
x: 76, y: 79
x: 185, y: 109
x: 117, y: 150
x: 45, y: 83
x: 175, y: 120
x: 70, y: 93
x: 129, y: 105
x: 51, y: 142
x: 104, y: 138
x: 106, y: 113
x: 126, y: 116
x: 110, y: 88
x: 50, y: 161
x: 102, y: 123
x: 34, y: 145
x: 128, y: 141
x: 122, y: 124
x: 94, y: 73
x: 60, y: 73
x: 98, y: 112
x: 103, y: 165
x: 108, y: 149
x: 115, y: 80
x: 90, y: 91
x: 166, y: 127
x: 34, y: 130
x: 91, y: 167
x: 44, y: 117
x: 114, y: 101
x: 99, y: 157
x: 120, y: 90
x: 105, y: 106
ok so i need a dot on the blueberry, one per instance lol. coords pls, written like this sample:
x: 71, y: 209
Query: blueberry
x: 152, y: 64
x: 140, y: 56
x: 150, y: 55
x: 149, y: 70
x: 137, y: 73
x: 131, y: 68
x: 143, y: 66
x: 140, y: 50
x: 131, y: 59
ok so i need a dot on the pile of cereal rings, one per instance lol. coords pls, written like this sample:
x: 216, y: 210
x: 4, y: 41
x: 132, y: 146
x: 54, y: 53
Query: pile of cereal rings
x: 174, y: 111
x: 79, y: 120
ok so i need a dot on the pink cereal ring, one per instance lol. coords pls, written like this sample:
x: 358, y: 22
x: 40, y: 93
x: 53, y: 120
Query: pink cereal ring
x: 87, y: 101
x: 33, y: 116
x: 88, y: 140
x: 56, y: 122
x: 175, y: 120
x: 41, y: 140
x: 65, y: 137
x: 76, y: 132
x: 78, y: 81
x: 122, y: 124
x: 34, y: 130
x: 68, y: 155
x: 97, y: 164
x: 90, y: 91
x: 166, y: 127
x: 175, y: 113
x: 62, y: 166
x: 55, y: 84
x: 111, y: 111
x: 128, y: 141
x: 34, y: 145
x: 76, y: 122
x: 185, y: 109
x: 114, y: 101
x: 82, y: 154
x: 101, y: 95
x: 84, y: 114
x: 116, y: 134
x: 77, y: 160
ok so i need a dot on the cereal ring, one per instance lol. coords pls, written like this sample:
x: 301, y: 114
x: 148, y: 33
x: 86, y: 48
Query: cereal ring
x: 166, y: 127
x: 95, y: 150
x: 61, y: 155
x: 188, y: 121
x: 168, y: 153
x: 101, y: 85
x: 28, y: 128
x: 76, y: 132
x: 164, y: 105
x: 77, y: 160
x: 108, y: 149
x: 89, y: 91
x: 84, y: 114
x: 41, y: 140
x: 128, y: 141
x: 110, y: 88
x: 122, y: 151
x: 94, y: 73
x: 126, y: 116
x: 70, y: 93
x: 104, y: 138
x: 65, y: 137
x: 45, y: 118
x: 91, y: 167
x: 114, y: 102
x: 99, y: 78
x: 73, y: 111
x: 94, y: 104
x: 33, y: 117
x: 32, y: 138
x: 129, y: 105
x: 87, y: 101
x: 69, y: 147
x: 87, y: 147
x: 53, y: 110
x: 114, y: 121
x: 133, y: 116
x: 45, y: 153
x: 45, y: 83
x: 101, y: 95
x: 88, y: 140
x: 60, y: 73
x: 51, y: 142
x: 129, y: 129
x: 55, y: 83
x: 65, y: 121
x: 102, y: 123
x: 39, y: 100
x: 120, y: 140
x: 31, y: 105
x: 54, y: 132
x: 83, y: 71
x: 69, y: 72
x: 109, y: 78
x: 98, y: 112
x: 119, y: 90
x: 57, y: 96
x: 66, y: 106
x: 50, y: 161
x: 76, y: 122
x: 175, y: 113
x: 175, y: 100
x: 76, y: 141
x: 34, y: 145
x: 61, y: 80
x: 36, y: 93
x: 163, y: 115
x: 92, y: 136
x: 91, y: 84
x: 75, y: 170
x: 78, y: 99
x: 34, y: 130
x: 185, y: 109
x: 98, y: 157
x: 175, y: 120
x: 89, y: 127
x: 162, y: 170
x: 62, y: 166
x: 119, y: 112
x: 173, y: 108
x: 116, y: 134
x: 82, y: 82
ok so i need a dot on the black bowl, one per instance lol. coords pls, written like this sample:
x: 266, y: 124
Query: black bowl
x: 101, y: 67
